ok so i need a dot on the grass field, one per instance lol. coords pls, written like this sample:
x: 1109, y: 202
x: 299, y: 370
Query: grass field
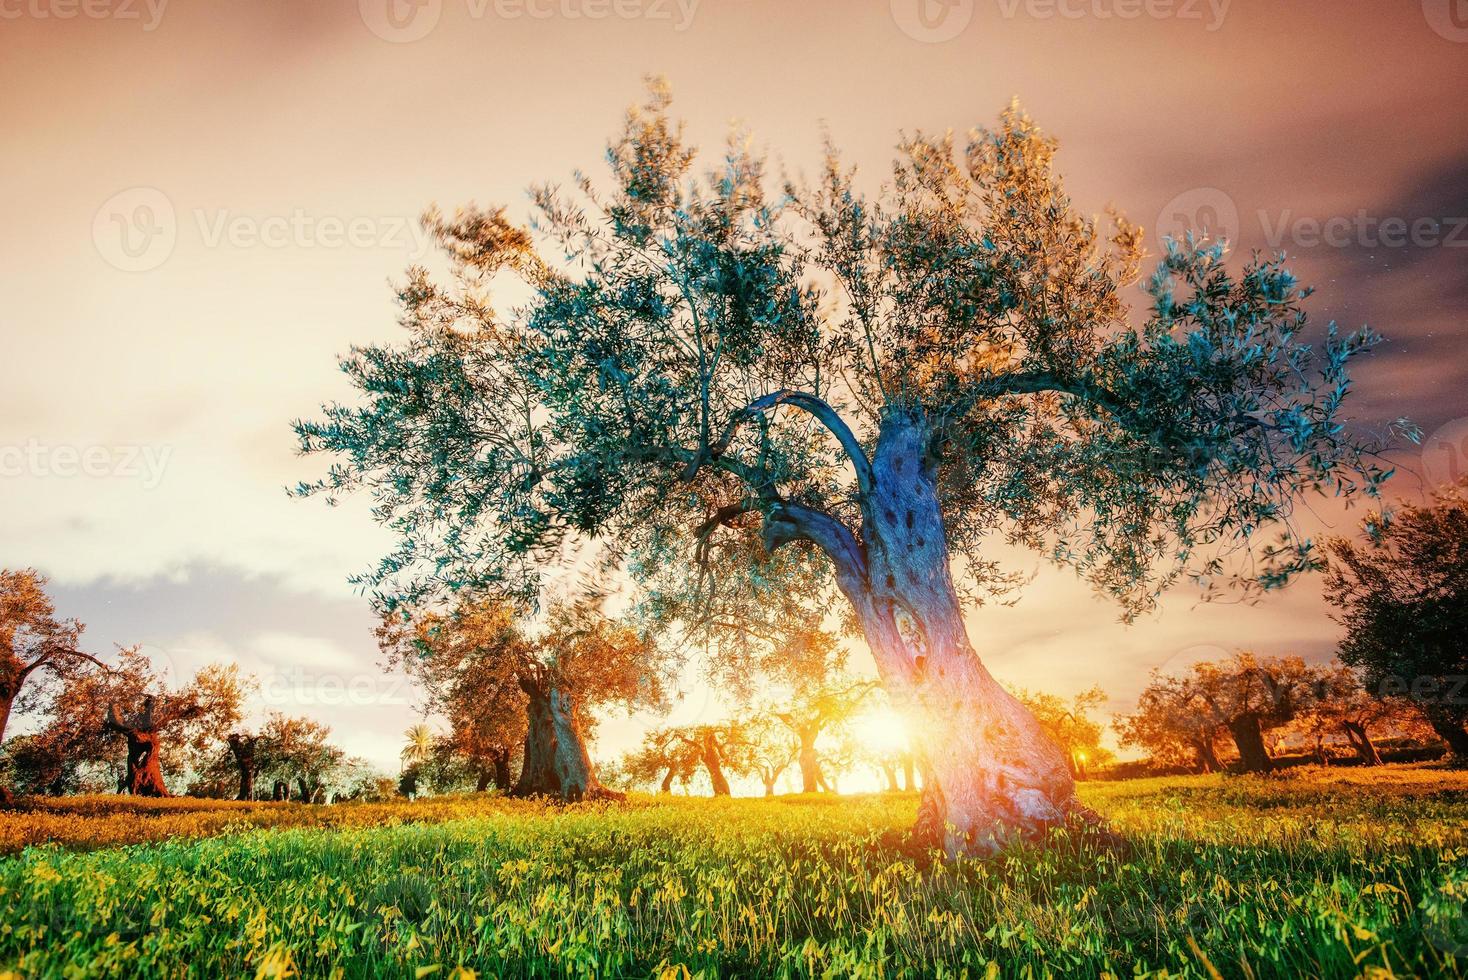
x: 1338, y: 874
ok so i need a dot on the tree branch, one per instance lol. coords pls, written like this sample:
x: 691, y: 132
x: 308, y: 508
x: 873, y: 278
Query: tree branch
x: 807, y: 402
x: 788, y: 522
x: 49, y: 655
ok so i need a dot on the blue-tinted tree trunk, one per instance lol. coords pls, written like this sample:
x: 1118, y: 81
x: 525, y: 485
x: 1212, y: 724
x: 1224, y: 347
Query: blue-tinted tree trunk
x: 990, y: 771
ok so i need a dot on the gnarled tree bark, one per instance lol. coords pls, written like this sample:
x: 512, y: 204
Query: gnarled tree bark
x: 144, y: 773
x: 556, y: 762
x: 1362, y: 743
x: 706, y: 744
x: 1249, y: 738
x: 990, y: 772
x: 1206, y: 754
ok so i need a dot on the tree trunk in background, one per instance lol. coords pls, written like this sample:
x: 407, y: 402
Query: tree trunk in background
x: 1450, y: 729
x: 7, y: 700
x: 242, y: 747
x: 769, y: 782
x: 1206, y: 754
x: 144, y: 773
x: 889, y: 769
x: 708, y: 753
x: 909, y: 772
x: 281, y: 791
x: 504, y: 780
x: 486, y: 777
x: 1253, y: 756
x: 667, y: 786
x: 1361, y: 742
x: 556, y: 762
x: 990, y: 772
x: 810, y: 763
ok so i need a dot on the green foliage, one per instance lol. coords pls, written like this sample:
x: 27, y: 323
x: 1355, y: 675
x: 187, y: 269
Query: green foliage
x: 1322, y: 875
x: 1403, y: 595
x: 702, y: 361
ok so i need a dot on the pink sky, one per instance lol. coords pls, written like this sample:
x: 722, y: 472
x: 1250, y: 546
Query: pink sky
x: 206, y: 203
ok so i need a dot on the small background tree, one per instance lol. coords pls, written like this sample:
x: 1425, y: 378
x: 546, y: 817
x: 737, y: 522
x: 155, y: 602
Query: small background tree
x: 1403, y: 595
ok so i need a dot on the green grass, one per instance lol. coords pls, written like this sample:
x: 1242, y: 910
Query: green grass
x: 1317, y: 874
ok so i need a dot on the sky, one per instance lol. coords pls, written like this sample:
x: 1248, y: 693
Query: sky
x: 207, y: 203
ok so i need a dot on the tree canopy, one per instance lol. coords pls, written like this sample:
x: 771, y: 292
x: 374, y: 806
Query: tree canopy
x: 701, y: 356
x: 748, y: 395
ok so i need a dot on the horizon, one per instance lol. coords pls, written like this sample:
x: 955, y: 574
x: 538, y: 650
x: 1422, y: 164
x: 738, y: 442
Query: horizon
x: 201, y: 242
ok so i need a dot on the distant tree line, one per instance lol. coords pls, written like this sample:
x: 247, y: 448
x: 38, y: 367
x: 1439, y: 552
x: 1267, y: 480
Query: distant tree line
x: 1402, y: 595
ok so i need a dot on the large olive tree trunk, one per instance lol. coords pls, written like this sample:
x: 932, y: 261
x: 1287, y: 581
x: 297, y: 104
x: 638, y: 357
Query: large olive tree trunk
x: 1249, y: 738
x: 990, y: 772
x: 144, y: 772
x: 556, y: 761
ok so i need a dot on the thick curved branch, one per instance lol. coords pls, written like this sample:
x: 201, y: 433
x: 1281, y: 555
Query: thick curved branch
x: 807, y: 402
x: 788, y: 522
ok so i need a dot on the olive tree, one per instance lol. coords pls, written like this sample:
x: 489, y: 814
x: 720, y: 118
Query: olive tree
x: 831, y: 385
x: 486, y: 658
x: 1402, y: 592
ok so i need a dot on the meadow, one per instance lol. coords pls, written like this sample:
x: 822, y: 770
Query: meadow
x: 1331, y: 873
